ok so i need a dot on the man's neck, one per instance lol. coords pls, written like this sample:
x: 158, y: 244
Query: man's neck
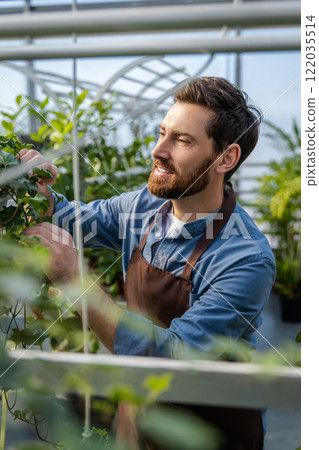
x: 203, y: 203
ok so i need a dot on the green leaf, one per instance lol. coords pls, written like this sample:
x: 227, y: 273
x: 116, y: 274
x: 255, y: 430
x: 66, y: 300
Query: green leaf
x: 44, y: 103
x: 114, y: 289
x: 159, y: 383
x: 19, y: 99
x: 298, y: 338
x: 23, y: 186
x: 7, y: 213
x: 10, y: 116
x: 42, y: 173
x: 6, y: 159
x: 42, y: 129
x: 39, y: 202
x: 59, y: 115
x: 68, y: 128
x: 99, y: 431
x: 80, y: 98
x: 10, y: 150
x: 28, y: 336
x: 56, y: 125
x: 57, y: 137
x: 148, y: 140
x: 123, y: 392
x: 35, y: 137
x: 95, y: 345
x: 80, y: 114
x: 7, y: 125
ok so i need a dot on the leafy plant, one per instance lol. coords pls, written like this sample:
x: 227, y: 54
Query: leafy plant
x: 21, y: 202
x: 106, y: 169
x: 29, y: 305
x: 280, y: 208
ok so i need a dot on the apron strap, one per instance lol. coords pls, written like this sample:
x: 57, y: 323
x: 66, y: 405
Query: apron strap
x: 213, y: 229
x: 142, y: 243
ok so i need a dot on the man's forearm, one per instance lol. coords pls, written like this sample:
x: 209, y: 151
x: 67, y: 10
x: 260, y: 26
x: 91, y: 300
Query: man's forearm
x: 103, y: 313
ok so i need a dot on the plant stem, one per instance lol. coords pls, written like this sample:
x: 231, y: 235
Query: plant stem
x: 3, y: 422
x: 12, y: 217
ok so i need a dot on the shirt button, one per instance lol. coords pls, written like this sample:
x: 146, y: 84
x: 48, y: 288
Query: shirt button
x: 158, y: 234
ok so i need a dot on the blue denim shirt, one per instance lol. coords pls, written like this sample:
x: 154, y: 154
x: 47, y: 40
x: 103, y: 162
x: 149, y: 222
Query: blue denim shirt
x: 231, y: 280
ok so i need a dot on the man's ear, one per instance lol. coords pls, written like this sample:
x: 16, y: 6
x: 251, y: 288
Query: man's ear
x: 228, y: 159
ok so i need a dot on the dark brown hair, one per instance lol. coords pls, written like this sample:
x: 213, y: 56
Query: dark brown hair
x: 233, y: 120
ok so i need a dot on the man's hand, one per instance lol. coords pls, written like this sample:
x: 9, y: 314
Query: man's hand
x: 34, y: 159
x: 103, y: 313
x: 64, y: 259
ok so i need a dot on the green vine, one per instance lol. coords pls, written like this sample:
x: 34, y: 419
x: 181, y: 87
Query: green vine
x: 3, y: 422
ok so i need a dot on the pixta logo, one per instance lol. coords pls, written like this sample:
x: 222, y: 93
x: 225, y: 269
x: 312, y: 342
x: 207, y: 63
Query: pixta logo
x: 72, y: 217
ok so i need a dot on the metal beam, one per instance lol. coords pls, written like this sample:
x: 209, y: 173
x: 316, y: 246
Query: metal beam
x: 151, y: 47
x: 152, y: 18
x: 198, y: 382
x: 47, y: 7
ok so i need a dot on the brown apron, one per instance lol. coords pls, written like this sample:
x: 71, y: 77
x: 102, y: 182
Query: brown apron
x: 157, y: 294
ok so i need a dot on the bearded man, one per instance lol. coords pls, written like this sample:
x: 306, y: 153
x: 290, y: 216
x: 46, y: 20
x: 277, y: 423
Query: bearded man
x: 196, y: 267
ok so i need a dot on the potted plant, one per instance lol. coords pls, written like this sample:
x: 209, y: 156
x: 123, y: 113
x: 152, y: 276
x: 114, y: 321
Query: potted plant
x: 279, y: 207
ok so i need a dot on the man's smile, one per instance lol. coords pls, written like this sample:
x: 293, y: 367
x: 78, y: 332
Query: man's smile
x: 162, y: 170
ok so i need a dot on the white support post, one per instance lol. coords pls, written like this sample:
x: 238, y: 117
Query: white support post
x: 78, y: 232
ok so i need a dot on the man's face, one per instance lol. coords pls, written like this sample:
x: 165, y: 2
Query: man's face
x: 184, y: 154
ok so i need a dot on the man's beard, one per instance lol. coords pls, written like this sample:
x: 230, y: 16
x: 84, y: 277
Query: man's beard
x: 180, y: 185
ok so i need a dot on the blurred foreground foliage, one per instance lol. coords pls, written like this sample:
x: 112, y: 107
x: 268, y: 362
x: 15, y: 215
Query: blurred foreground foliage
x: 32, y: 311
x: 35, y: 313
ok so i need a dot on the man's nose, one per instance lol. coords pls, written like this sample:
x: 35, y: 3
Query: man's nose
x: 162, y: 149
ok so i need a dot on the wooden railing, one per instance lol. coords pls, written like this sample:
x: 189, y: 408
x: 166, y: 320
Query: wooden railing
x: 194, y: 382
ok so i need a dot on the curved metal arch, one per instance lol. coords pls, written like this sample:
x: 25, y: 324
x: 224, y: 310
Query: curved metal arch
x: 164, y: 96
x: 136, y: 104
x: 133, y: 108
x: 150, y: 84
x: 146, y: 106
x: 120, y: 73
x: 32, y: 76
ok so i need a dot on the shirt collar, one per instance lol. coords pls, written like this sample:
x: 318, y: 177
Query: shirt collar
x: 193, y: 228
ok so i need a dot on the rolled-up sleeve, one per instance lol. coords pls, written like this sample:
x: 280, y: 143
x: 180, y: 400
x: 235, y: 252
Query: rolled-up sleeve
x: 100, y: 219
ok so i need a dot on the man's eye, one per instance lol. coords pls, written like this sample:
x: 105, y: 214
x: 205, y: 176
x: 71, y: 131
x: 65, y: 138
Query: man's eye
x: 183, y: 141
